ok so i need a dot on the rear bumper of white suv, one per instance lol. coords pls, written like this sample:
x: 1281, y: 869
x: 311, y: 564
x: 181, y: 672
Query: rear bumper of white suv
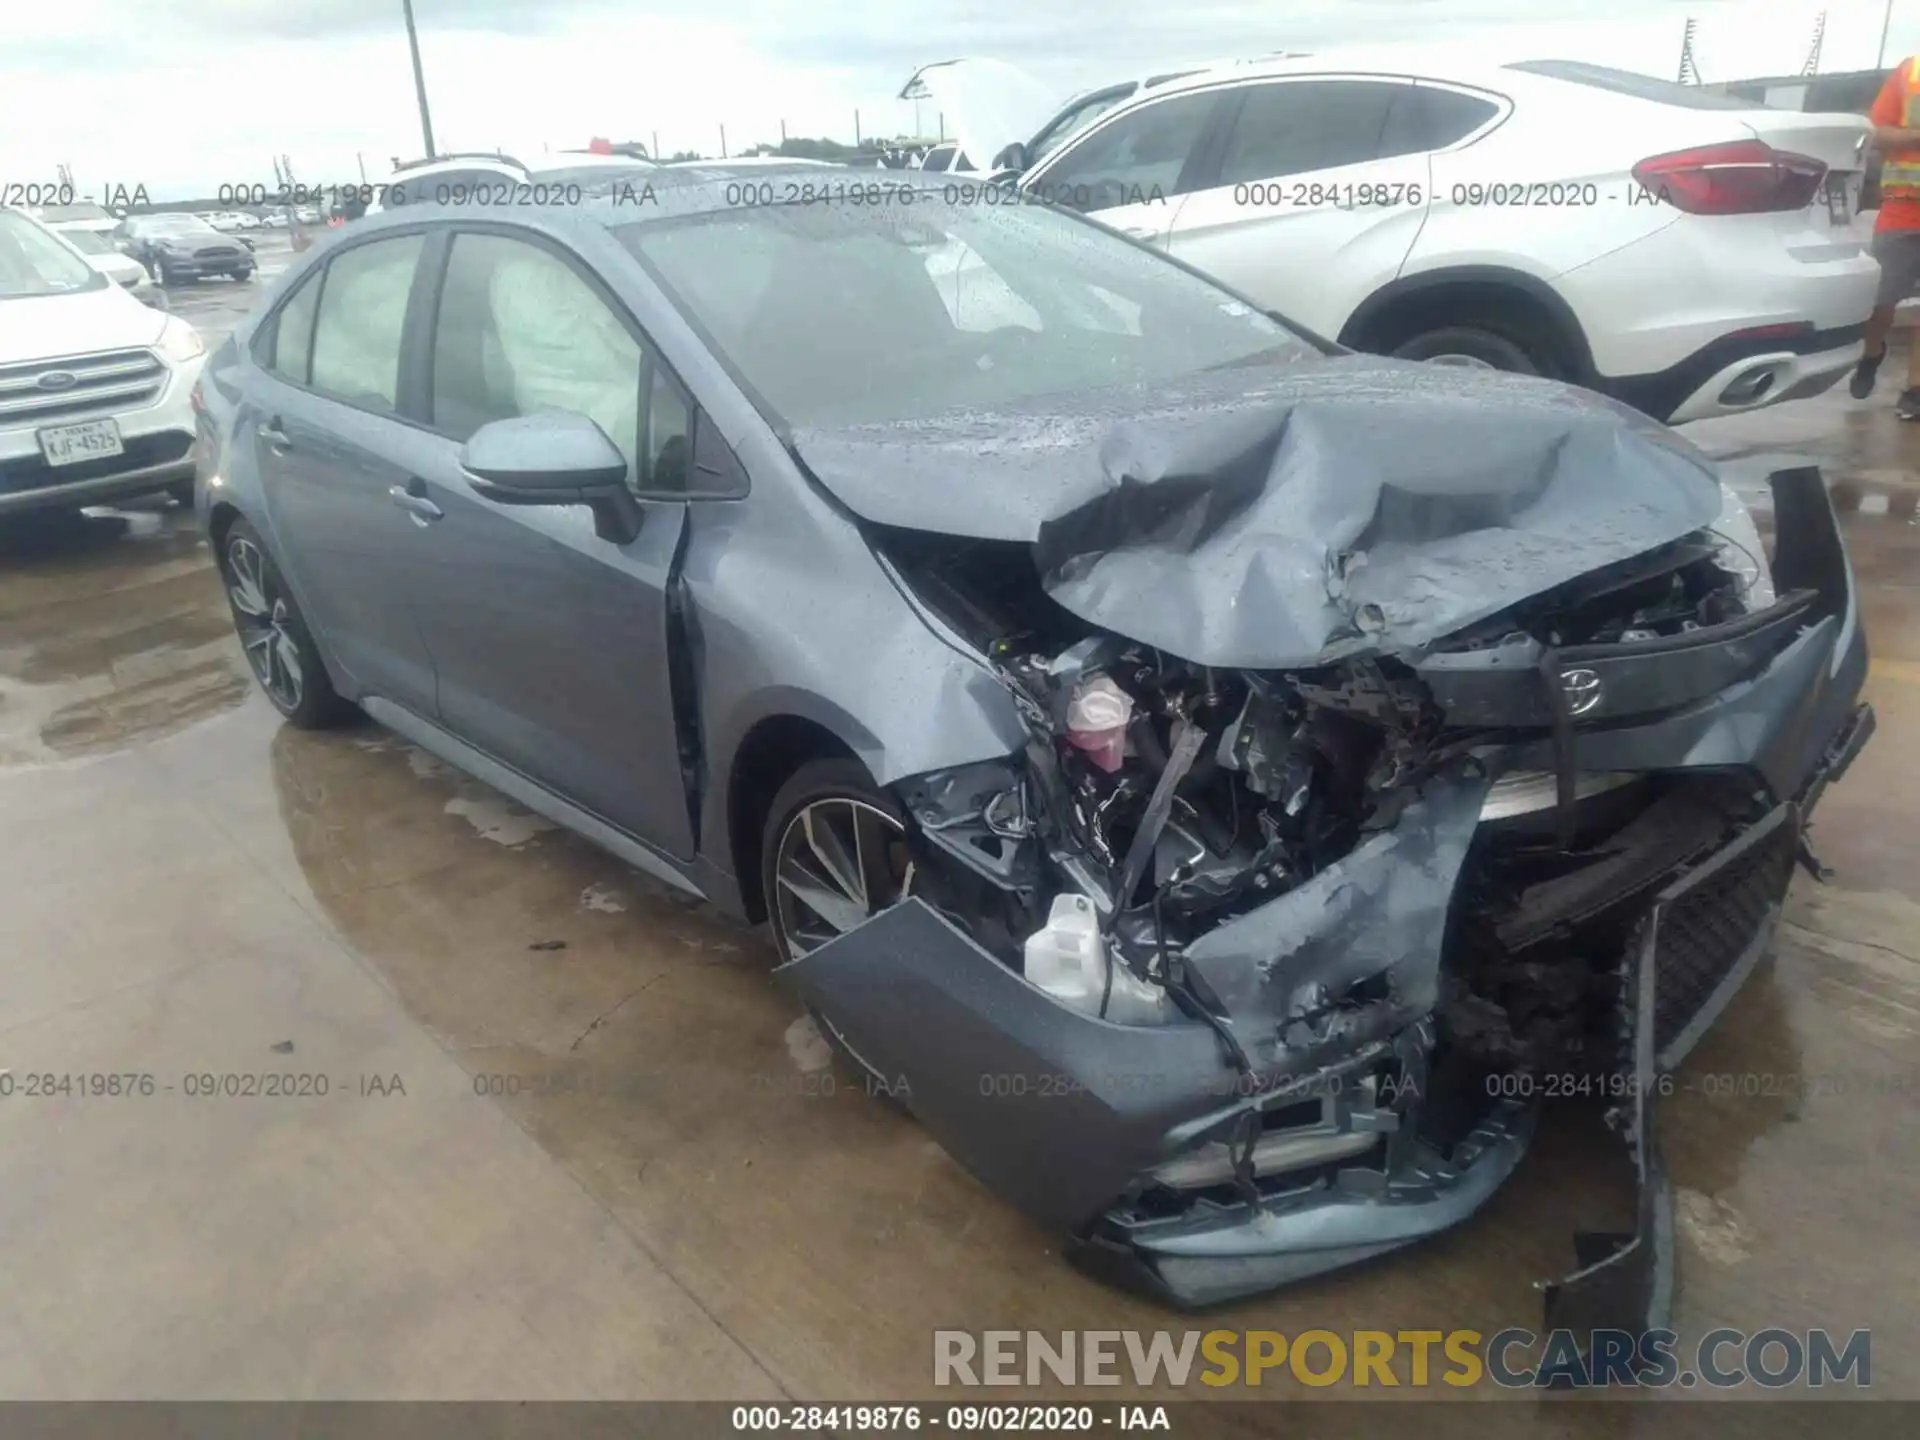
x: 1741, y: 372
x: 1715, y: 315
x: 155, y: 421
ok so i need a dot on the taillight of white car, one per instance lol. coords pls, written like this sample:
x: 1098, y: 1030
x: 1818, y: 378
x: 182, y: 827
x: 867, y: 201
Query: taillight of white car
x: 1743, y: 177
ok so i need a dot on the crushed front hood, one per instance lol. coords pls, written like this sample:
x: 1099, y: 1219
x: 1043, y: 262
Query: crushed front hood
x: 1282, y: 517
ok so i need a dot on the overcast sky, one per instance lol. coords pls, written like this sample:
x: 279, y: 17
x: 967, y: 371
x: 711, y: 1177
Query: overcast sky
x: 182, y: 95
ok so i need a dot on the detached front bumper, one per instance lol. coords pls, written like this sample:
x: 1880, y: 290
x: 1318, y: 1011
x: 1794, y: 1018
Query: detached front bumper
x: 1070, y: 1117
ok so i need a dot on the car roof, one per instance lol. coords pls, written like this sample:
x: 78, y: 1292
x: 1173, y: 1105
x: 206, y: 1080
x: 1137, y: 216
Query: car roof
x: 1463, y: 64
x: 666, y: 192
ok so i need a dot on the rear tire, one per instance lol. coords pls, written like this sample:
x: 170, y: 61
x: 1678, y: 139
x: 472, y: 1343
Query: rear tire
x: 836, y: 837
x: 1474, y: 346
x: 279, y: 647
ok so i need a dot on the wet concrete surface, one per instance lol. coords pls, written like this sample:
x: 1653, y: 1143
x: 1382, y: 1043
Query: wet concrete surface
x: 576, y: 1143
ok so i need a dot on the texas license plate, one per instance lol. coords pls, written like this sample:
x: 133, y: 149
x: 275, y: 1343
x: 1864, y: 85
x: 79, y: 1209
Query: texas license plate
x: 89, y: 440
x: 1839, y: 200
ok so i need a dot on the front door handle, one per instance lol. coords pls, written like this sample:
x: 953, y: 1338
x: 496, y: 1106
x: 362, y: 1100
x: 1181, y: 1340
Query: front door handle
x: 412, y: 498
x: 1148, y: 233
x: 275, y: 438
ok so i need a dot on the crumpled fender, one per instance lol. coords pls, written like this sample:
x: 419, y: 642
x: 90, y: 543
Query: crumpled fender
x: 1060, y: 1110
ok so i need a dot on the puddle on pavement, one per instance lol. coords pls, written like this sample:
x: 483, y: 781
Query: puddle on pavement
x: 113, y: 630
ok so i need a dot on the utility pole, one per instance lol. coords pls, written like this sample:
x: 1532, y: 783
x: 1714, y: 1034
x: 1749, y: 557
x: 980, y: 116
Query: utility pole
x: 362, y: 162
x: 1812, y: 67
x: 723, y: 142
x: 856, y: 129
x: 656, y: 145
x: 419, y: 78
x: 1689, y: 71
x: 1886, y: 19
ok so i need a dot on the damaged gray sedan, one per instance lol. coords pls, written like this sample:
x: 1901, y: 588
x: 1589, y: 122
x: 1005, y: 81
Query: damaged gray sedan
x: 1208, y: 777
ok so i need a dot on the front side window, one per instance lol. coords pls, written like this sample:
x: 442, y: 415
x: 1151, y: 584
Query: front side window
x: 1298, y: 126
x: 33, y: 262
x: 362, y: 315
x: 1136, y: 158
x: 1066, y: 126
x: 844, y: 314
x: 520, y: 331
x: 669, y: 435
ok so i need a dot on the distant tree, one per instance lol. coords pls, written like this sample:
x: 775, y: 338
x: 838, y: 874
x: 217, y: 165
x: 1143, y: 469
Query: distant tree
x: 685, y: 155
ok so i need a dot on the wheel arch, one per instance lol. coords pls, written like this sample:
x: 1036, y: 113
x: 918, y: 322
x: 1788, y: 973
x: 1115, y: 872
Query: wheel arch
x: 1457, y: 294
x: 769, y: 754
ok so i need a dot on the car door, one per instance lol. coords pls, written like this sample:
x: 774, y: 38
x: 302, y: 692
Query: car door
x: 329, y: 443
x: 1130, y: 169
x: 1317, y: 195
x: 550, y: 644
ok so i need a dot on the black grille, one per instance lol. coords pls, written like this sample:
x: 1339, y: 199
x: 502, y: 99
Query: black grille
x: 31, y: 472
x: 1708, y: 925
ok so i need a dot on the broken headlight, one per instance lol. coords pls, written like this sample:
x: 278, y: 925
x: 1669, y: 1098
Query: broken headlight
x: 1740, y: 552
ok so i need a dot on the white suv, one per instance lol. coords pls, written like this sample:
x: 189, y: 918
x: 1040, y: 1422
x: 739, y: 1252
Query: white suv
x: 1685, y: 252
x: 94, y: 386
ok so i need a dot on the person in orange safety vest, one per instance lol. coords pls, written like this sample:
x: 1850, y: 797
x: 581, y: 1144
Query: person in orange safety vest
x: 1896, y: 236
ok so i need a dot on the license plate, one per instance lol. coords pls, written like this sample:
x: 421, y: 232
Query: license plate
x: 72, y: 444
x: 1839, y: 199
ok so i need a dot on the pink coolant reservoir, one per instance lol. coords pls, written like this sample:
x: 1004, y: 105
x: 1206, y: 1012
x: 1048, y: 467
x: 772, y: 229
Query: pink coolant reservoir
x: 1097, y: 718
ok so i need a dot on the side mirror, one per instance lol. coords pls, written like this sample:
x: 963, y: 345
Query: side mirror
x: 1013, y: 158
x: 554, y: 458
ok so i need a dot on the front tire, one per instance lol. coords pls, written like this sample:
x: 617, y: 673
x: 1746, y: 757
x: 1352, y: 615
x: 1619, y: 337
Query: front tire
x: 834, y: 854
x: 273, y: 634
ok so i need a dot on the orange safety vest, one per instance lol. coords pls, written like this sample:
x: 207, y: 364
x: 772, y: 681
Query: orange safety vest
x: 1900, y: 174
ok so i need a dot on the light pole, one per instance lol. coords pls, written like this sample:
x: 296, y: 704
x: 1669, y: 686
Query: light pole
x: 419, y: 78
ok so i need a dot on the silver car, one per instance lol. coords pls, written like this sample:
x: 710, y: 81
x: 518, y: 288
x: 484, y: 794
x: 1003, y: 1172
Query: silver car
x: 1206, y: 776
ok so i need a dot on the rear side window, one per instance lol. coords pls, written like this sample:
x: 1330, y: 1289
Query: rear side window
x: 1427, y: 118
x: 362, y: 314
x: 1297, y: 126
x: 293, y: 333
x: 1625, y: 82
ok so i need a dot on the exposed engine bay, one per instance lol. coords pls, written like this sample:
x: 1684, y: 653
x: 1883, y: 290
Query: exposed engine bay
x: 1162, y: 798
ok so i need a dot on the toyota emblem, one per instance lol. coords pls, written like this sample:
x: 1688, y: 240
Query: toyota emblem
x: 58, y: 380
x: 1582, y: 689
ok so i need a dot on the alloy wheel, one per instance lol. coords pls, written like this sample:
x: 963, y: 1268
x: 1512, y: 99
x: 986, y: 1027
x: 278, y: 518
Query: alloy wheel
x: 840, y: 861
x: 264, y: 620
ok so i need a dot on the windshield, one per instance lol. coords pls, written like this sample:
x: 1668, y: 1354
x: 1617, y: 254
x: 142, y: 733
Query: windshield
x: 848, y: 314
x: 88, y: 242
x: 32, y: 262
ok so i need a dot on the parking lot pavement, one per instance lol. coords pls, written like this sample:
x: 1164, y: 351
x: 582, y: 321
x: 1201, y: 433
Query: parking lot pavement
x: 216, y: 306
x: 621, y: 1165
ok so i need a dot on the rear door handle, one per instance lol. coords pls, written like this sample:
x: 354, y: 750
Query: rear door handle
x: 412, y: 498
x: 275, y: 438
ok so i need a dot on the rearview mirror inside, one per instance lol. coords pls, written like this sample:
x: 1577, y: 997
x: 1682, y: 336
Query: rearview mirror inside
x: 554, y: 458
